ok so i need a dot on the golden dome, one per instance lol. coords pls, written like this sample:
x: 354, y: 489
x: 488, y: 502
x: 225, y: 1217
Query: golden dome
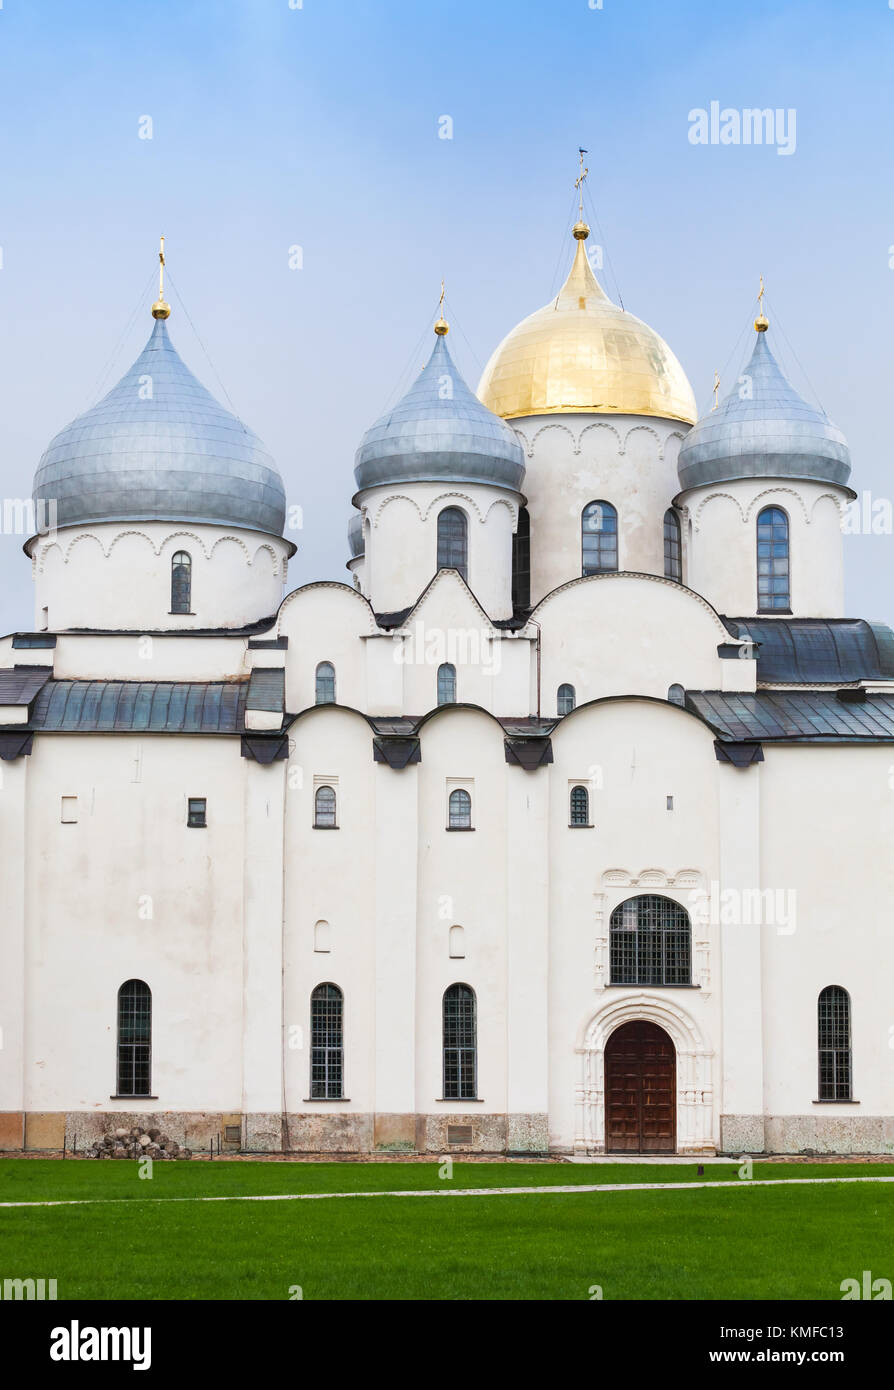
x: 582, y: 353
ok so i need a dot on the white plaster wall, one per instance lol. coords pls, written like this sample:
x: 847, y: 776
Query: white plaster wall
x: 627, y: 460
x: 401, y: 530
x: 114, y: 575
x: 826, y: 835
x: 326, y: 622
x: 720, y: 529
x: 624, y: 634
x: 634, y: 755
x: 89, y: 888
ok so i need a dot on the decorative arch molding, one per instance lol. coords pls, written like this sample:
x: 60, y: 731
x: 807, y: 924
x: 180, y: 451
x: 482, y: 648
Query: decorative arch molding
x: 372, y: 513
x: 638, y: 429
x: 696, y: 1126
x: 840, y: 503
x: 608, y: 575
x: 555, y: 425
x: 347, y: 589
x: 696, y: 512
x: 674, y: 434
x: 222, y: 540
x: 463, y: 497
x: 270, y: 551
x: 769, y: 492
x: 619, y: 884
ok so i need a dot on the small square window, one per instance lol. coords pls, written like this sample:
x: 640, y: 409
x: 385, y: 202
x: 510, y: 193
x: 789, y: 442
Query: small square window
x: 197, y: 816
x: 69, y: 810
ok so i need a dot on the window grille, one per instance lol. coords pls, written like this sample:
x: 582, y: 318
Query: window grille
x: 773, y: 574
x: 460, y: 810
x: 181, y: 582
x: 453, y: 541
x: 650, y: 942
x: 446, y: 684
x: 325, y: 684
x: 673, y: 548
x: 599, y: 538
x: 834, y: 1040
x: 565, y: 699
x: 580, y: 806
x: 134, y: 1039
x: 460, y: 1044
x: 324, y: 807
x: 327, y: 1043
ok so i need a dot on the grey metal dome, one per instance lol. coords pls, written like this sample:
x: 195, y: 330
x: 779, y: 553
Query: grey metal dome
x: 159, y: 447
x: 355, y: 535
x: 440, y: 432
x: 771, y: 433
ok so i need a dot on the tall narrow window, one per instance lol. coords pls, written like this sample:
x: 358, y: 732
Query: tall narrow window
x: 650, y: 942
x: 134, y: 1039
x: 459, y: 810
x: 565, y: 699
x: 834, y: 1043
x: 446, y: 684
x: 599, y: 538
x: 521, y: 561
x: 325, y: 684
x: 580, y: 806
x: 460, y: 1044
x: 324, y: 808
x: 673, y: 548
x: 453, y: 541
x: 773, y: 571
x: 181, y: 582
x: 327, y: 1051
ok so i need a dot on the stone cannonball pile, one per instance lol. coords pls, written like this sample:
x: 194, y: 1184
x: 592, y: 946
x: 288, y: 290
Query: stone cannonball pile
x: 137, y: 1143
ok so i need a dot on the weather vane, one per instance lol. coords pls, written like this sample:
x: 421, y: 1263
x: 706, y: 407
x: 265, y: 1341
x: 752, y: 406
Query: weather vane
x: 441, y: 327
x: 161, y: 310
x: 761, y: 323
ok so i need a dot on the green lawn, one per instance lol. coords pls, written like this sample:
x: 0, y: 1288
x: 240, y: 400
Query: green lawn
x: 759, y: 1242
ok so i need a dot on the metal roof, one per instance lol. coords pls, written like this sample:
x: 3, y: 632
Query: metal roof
x: 766, y: 431
x: 818, y: 650
x: 795, y: 716
x: 20, y: 685
x: 184, y: 707
x: 440, y: 431
x: 267, y: 688
x: 160, y: 447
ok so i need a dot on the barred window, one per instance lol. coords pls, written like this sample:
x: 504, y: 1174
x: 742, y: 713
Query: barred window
x: 580, y: 806
x: 834, y: 1041
x: 325, y: 684
x: 673, y: 548
x: 134, y: 1039
x: 599, y: 538
x: 327, y: 1043
x: 181, y: 582
x: 460, y: 1046
x: 651, y: 942
x: 324, y: 808
x: 565, y: 699
x: 459, y: 809
x: 446, y: 684
x: 453, y: 541
x: 521, y: 562
x: 773, y: 574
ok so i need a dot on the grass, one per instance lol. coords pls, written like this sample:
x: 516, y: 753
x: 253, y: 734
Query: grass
x: 786, y: 1243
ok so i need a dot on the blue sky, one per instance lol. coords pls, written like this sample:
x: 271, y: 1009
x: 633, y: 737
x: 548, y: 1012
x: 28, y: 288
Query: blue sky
x: 318, y: 127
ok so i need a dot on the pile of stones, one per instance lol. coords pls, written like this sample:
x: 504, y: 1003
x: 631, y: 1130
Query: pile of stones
x: 137, y: 1143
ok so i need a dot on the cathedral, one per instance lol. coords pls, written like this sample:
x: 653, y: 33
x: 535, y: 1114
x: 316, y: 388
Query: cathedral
x: 562, y: 825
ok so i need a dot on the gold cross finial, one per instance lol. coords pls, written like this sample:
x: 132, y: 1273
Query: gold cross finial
x: 442, y: 326
x: 761, y: 323
x: 579, y: 183
x: 715, y: 388
x: 161, y: 310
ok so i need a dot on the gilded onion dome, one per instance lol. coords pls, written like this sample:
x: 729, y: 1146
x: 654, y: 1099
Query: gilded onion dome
x: 764, y: 431
x: 583, y: 354
x: 440, y: 432
x: 160, y: 447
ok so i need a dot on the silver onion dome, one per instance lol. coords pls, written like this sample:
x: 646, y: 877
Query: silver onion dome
x: 763, y: 429
x: 440, y: 432
x: 160, y: 447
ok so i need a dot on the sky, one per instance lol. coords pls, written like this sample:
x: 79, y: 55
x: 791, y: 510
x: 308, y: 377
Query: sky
x: 318, y: 125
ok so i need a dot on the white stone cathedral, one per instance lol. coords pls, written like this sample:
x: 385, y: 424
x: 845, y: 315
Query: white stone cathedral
x: 564, y: 825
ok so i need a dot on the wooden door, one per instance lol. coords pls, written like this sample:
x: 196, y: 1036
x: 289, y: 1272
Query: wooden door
x: 640, y: 1090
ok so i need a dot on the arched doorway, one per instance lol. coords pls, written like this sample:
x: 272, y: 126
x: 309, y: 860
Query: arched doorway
x: 640, y: 1090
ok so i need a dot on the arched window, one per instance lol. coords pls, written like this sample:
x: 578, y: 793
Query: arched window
x: 181, y: 582
x: 673, y: 548
x: 327, y: 1008
x: 324, y: 808
x: 773, y: 572
x: 325, y: 684
x: 599, y: 538
x: 834, y: 1043
x: 676, y: 695
x: 460, y: 810
x: 134, y: 1039
x: 453, y: 541
x: 446, y: 684
x: 651, y: 942
x: 565, y: 699
x: 521, y: 561
x: 580, y: 806
x: 460, y: 1044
